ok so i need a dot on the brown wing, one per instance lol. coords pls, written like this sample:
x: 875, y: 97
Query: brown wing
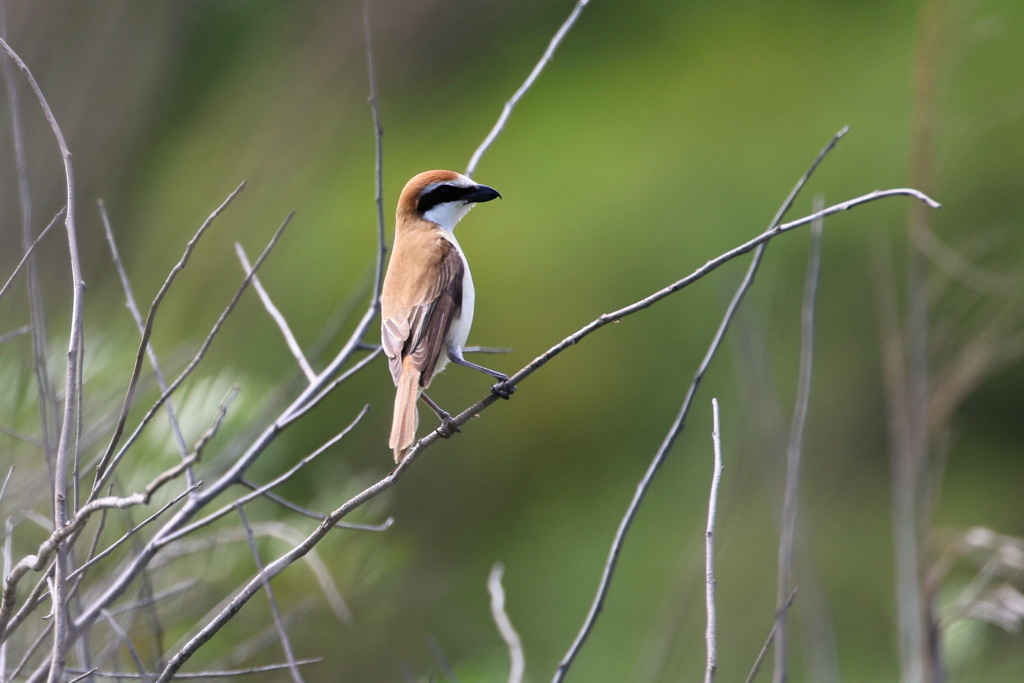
x: 421, y: 306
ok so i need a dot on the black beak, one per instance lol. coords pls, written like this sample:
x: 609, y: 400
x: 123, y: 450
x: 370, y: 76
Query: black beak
x: 481, y: 193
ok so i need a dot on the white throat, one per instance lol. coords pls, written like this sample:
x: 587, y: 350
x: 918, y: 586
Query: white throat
x: 447, y: 215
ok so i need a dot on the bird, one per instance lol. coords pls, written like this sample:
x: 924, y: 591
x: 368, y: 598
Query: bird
x: 427, y: 298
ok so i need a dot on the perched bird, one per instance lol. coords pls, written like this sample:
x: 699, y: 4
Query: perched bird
x: 427, y: 299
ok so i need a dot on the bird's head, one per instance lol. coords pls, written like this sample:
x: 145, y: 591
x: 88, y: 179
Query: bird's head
x: 442, y: 197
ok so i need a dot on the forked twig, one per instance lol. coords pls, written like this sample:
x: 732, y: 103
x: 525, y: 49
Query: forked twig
x: 115, y: 438
x: 677, y: 427
x: 133, y: 308
x: 109, y: 464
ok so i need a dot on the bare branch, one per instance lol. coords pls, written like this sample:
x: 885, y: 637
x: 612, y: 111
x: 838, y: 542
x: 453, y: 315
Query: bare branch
x: 7, y: 336
x: 282, y: 634
x: 30, y: 651
x: 297, y: 409
x: 127, y: 642
x: 148, y: 331
x: 28, y: 252
x: 72, y: 375
x: 306, y: 512
x: 527, y: 84
x: 378, y: 138
x: 129, y: 295
x: 198, y: 675
x: 39, y: 560
x: 768, y: 641
x: 104, y: 472
x: 504, y: 624
x: 7, y: 479
x: 275, y: 313
x: 677, y: 427
x: 709, y: 551
x: 486, y: 349
x: 135, y: 529
x: 256, y: 493
x: 37, y: 320
x: 152, y: 599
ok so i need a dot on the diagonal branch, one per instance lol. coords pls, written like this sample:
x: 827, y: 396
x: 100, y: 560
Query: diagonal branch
x: 28, y: 253
x: 275, y: 313
x: 286, y: 643
x: 133, y: 308
x: 759, y: 244
x: 506, y: 111
x: 372, y: 491
x: 101, y: 467
x: 104, y: 473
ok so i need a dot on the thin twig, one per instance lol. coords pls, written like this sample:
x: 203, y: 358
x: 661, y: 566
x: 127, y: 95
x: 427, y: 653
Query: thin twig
x: 28, y: 253
x: 198, y: 675
x: 72, y: 377
x: 111, y: 463
x: 47, y: 548
x: 153, y: 598
x: 297, y: 409
x: 306, y: 512
x: 233, y: 475
x: 504, y: 624
x: 7, y: 336
x: 709, y: 551
x: 34, y: 599
x: 8, y: 561
x: 768, y: 641
x: 506, y: 111
x: 378, y: 139
x: 37, y: 319
x: 795, y: 448
x: 641, y: 491
x: 257, y: 492
x: 30, y: 651
x: 282, y: 634
x: 127, y: 642
x: 134, y: 530
x: 133, y: 308
x: 148, y: 331
x: 278, y: 565
x: 275, y: 313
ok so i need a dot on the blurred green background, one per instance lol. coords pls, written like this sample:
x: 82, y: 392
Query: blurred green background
x: 661, y: 135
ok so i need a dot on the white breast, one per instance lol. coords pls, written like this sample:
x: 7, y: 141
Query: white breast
x: 458, y: 332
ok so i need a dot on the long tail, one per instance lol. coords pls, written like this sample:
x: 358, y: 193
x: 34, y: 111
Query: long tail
x: 403, y: 426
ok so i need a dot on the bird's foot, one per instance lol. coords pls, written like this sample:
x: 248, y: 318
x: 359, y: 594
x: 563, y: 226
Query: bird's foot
x: 448, y: 426
x: 503, y: 389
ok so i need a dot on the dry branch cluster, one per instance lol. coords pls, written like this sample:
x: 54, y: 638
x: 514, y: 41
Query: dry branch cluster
x: 78, y: 601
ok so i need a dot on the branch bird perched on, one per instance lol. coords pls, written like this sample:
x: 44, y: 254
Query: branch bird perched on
x: 428, y: 296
